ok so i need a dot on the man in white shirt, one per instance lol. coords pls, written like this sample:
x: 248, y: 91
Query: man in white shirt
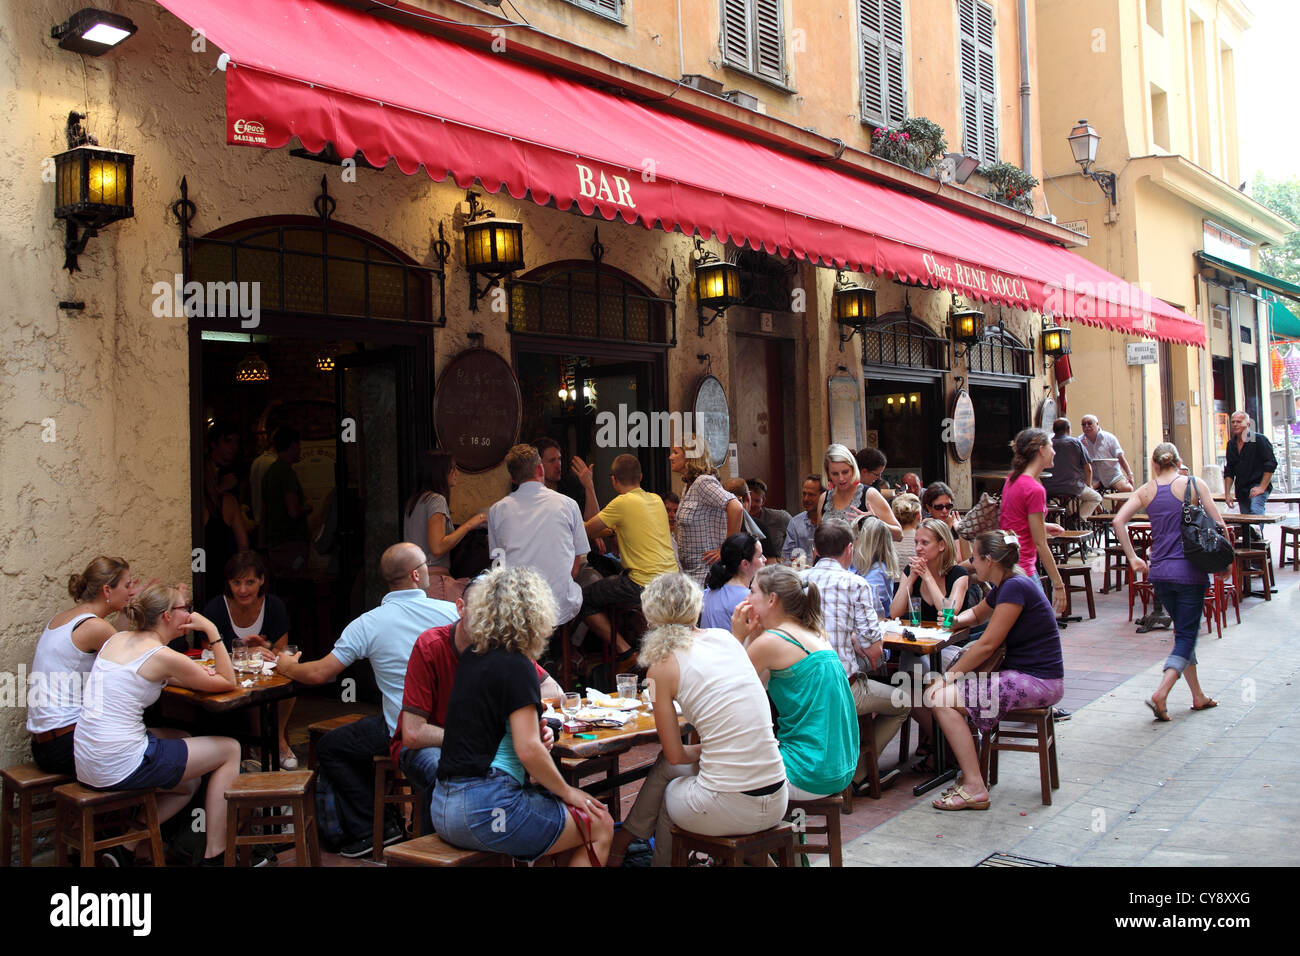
x: 1102, y: 445
x: 541, y: 529
x: 849, y: 618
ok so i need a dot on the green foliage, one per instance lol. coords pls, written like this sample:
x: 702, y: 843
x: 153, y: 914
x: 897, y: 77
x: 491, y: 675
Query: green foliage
x: 1283, y: 197
x: 917, y: 143
x: 1010, y: 185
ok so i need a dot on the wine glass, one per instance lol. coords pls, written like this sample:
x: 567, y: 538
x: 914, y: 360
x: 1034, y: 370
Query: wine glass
x: 571, y: 704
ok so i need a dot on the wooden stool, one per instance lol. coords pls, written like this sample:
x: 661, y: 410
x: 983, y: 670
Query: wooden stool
x: 798, y: 812
x: 576, y: 769
x: 1290, y: 539
x: 78, y: 810
x: 1117, y: 565
x: 322, y: 727
x: 431, y: 851
x: 1255, y: 563
x: 1217, y: 596
x: 295, y: 789
x: 22, y: 785
x: 736, y: 850
x: 392, y: 787
x: 1068, y: 573
x: 1043, y: 736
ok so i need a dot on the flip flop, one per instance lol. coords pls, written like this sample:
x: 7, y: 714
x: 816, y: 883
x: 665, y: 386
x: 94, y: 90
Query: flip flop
x: 1206, y: 706
x: 1160, y: 712
x: 949, y: 801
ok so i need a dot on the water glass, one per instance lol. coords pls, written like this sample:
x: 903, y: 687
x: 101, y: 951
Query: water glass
x: 627, y: 686
x: 571, y: 704
x: 949, y: 609
x: 916, y: 611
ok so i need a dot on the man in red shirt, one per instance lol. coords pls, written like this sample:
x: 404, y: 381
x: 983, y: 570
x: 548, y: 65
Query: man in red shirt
x: 417, y: 746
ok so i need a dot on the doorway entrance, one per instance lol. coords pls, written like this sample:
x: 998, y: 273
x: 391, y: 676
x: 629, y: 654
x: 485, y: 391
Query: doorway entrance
x: 903, y: 416
x: 761, y: 408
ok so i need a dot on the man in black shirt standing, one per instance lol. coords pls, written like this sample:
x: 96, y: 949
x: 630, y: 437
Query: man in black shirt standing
x: 1251, y: 464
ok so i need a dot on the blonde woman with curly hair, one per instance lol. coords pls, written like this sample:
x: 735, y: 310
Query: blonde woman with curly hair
x: 494, y: 737
x: 848, y: 498
x: 732, y: 781
x: 708, y: 514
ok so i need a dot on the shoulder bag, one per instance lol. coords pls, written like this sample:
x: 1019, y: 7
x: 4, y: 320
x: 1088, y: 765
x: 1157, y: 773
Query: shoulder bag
x: 983, y: 517
x: 1204, y: 545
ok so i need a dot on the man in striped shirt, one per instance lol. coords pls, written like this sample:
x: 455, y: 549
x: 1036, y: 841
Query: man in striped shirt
x: 849, y: 619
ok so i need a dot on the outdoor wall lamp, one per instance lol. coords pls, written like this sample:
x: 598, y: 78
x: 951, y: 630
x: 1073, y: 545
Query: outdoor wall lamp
x: 1056, y: 343
x: 967, y: 327
x: 92, y: 188
x: 92, y: 31
x: 961, y: 165
x: 493, y: 248
x: 717, y: 285
x: 1083, y: 143
x: 852, y: 307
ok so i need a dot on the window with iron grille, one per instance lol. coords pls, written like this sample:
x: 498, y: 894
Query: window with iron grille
x: 753, y: 37
x: 979, y: 96
x: 1000, y: 353
x: 613, y: 9
x: 884, y: 72
x: 904, y: 343
x: 589, y: 302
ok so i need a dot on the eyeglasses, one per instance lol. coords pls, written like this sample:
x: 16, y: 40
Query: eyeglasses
x: 947, y: 507
x: 188, y: 608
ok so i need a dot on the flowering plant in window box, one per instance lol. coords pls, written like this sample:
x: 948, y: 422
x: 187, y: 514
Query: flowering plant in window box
x: 916, y: 143
x: 1010, y: 185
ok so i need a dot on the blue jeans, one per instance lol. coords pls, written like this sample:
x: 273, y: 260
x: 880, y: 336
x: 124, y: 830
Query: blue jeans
x: 495, y: 813
x: 1251, y: 505
x: 1185, y: 604
x: 421, y: 768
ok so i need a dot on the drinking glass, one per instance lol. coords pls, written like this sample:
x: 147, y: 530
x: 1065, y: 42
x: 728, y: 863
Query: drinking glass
x: 916, y: 611
x: 627, y: 686
x: 239, y: 661
x: 571, y: 704
x: 949, y: 608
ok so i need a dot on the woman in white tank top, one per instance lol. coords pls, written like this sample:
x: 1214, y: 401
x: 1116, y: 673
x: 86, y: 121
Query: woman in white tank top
x: 114, y: 750
x: 64, y: 655
x: 732, y: 781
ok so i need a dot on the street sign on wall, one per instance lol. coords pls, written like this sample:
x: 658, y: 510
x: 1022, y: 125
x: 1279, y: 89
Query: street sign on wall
x: 1142, y: 353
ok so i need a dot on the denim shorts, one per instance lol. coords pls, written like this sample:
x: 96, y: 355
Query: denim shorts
x: 163, y: 765
x: 497, y: 814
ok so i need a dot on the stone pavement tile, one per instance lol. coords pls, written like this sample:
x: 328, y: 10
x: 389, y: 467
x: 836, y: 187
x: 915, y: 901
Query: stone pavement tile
x: 1188, y: 858
x: 1082, y: 771
x: 1285, y: 816
x: 904, y: 851
x: 1044, y: 850
x: 1233, y: 837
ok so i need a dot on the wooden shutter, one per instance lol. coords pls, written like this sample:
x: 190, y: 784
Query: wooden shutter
x: 613, y: 8
x: 880, y: 28
x: 769, y: 59
x: 978, y: 80
x: 736, y: 28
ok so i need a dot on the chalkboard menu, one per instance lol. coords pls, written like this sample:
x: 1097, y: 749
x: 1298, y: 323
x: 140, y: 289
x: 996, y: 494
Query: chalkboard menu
x: 963, y: 426
x: 477, y: 409
x: 713, y: 417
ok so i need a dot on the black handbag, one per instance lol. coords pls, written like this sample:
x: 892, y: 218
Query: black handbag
x: 1204, y: 545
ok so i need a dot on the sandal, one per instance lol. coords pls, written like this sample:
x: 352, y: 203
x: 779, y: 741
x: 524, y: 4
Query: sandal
x: 1160, y: 712
x: 948, y: 801
x: 1206, y: 706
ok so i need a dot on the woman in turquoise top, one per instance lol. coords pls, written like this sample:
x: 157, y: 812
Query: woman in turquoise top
x: 817, y: 727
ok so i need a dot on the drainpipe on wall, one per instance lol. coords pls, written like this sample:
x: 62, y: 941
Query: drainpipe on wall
x: 1026, y: 136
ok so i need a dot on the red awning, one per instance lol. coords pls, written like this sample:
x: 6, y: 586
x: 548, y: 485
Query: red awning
x: 331, y: 74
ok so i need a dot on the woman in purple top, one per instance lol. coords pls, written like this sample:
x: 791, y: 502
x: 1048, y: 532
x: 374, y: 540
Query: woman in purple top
x: 1032, y: 674
x: 1179, y: 584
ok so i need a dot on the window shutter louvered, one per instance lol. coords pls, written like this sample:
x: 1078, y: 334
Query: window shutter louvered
x: 873, y: 62
x: 970, y: 114
x: 735, y: 33
x: 987, y: 82
x: 891, y: 15
x: 768, y: 59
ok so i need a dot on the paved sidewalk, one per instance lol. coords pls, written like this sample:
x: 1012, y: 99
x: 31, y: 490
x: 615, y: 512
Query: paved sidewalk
x: 1214, y: 788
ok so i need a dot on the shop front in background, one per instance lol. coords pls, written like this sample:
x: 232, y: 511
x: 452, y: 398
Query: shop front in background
x: 589, y: 348
x: 904, y: 364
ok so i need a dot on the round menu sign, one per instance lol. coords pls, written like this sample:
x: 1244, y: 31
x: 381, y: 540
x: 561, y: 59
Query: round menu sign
x: 713, y: 417
x: 963, y: 426
x: 477, y: 409
x: 1046, y: 414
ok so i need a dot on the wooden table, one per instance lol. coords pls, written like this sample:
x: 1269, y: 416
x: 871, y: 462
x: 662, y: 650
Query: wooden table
x: 264, y: 695
x: 1080, y: 538
x: 615, y: 740
x: 929, y: 646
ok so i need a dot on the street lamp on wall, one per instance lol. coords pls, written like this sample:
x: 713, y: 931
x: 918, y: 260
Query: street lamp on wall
x: 967, y: 326
x: 92, y: 32
x: 1083, y: 144
x: 493, y: 248
x: 1056, y: 343
x: 92, y: 188
x: 853, y: 308
x: 717, y: 285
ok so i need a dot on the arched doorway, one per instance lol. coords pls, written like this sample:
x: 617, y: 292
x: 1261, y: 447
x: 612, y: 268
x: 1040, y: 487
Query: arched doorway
x: 300, y: 322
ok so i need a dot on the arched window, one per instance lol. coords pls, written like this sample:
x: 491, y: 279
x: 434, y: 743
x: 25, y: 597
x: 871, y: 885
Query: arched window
x: 585, y: 300
x: 899, y: 341
x: 1000, y: 353
x: 305, y: 268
